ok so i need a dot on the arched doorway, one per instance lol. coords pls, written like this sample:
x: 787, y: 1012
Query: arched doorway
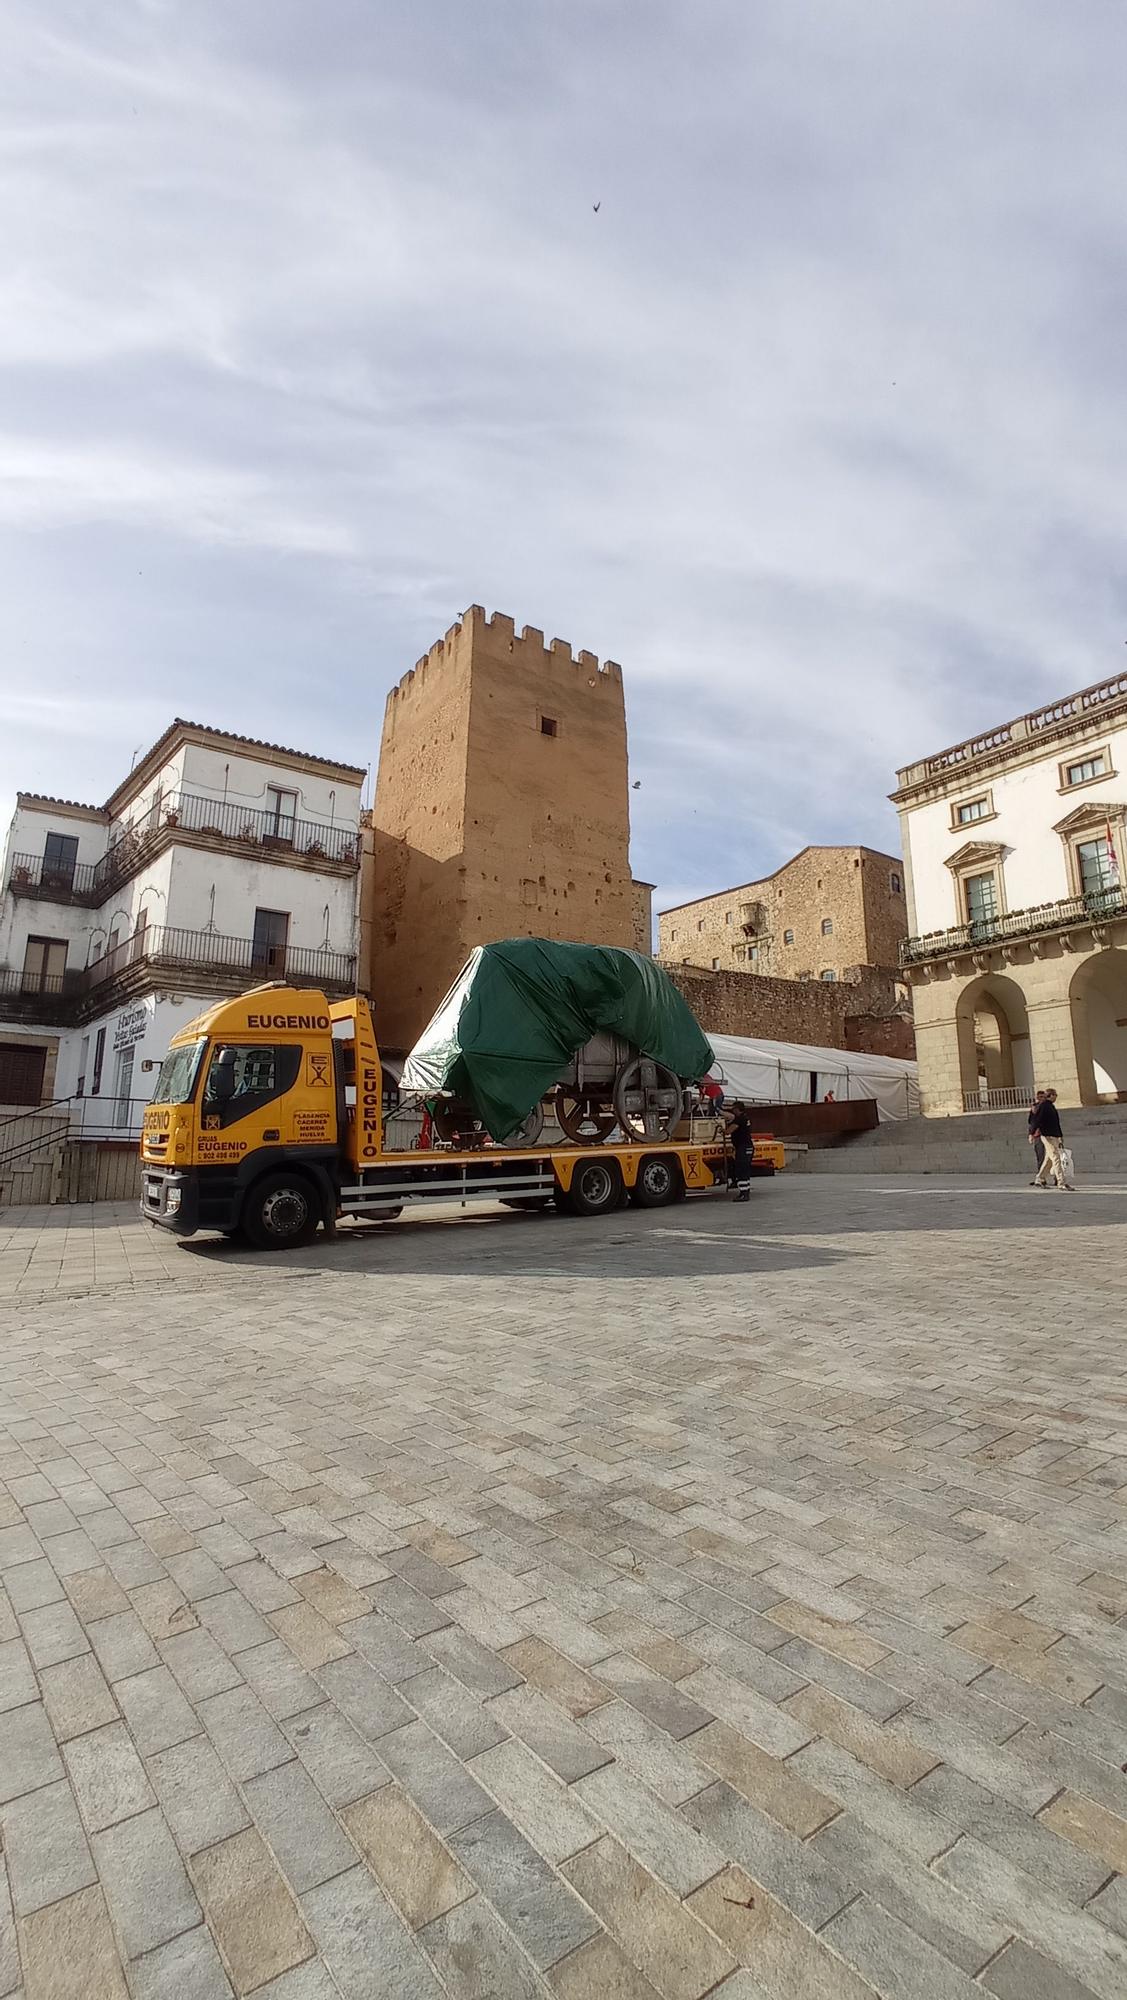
x: 995, y: 1062
x: 1098, y: 996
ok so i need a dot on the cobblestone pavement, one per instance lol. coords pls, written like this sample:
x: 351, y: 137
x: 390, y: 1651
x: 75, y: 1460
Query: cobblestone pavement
x: 710, y: 1601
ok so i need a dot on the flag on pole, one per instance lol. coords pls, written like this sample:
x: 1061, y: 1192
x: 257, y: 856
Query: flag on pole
x: 1112, y: 859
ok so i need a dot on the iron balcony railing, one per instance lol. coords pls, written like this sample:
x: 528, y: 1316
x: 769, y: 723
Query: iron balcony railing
x: 1016, y: 924
x: 54, y: 998
x: 274, y: 832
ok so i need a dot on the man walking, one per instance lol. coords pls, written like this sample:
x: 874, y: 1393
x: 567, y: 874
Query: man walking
x: 1049, y: 1128
x: 1035, y: 1139
x: 743, y: 1151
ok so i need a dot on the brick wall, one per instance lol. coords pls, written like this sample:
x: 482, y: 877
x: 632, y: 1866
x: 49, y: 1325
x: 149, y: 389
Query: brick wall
x: 858, y: 1013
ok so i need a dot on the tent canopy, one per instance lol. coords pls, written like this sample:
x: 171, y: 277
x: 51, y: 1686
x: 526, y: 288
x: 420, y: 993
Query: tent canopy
x: 780, y: 1073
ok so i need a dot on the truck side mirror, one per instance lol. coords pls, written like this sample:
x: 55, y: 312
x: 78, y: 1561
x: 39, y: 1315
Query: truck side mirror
x: 221, y: 1077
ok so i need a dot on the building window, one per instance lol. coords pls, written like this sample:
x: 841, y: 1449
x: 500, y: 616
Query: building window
x: 59, y: 857
x: 281, y: 812
x: 700, y: 923
x: 44, y: 965
x: 968, y: 810
x: 549, y: 726
x: 828, y: 976
x: 753, y: 953
x: 271, y: 936
x: 727, y: 916
x: 788, y: 937
x: 99, y: 1058
x: 981, y: 897
x: 740, y: 951
x: 895, y: 883
x: 1097, y: 866
x: 83, y: 1060
x: 716, y: 965
x: 21, y: 1073
x: 1084, y: 770
x: 827, y: 926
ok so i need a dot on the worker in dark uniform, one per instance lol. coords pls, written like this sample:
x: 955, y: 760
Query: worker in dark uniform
x: 743, y: 1150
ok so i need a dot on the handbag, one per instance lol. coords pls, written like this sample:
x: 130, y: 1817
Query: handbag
x: 1067, y: 1165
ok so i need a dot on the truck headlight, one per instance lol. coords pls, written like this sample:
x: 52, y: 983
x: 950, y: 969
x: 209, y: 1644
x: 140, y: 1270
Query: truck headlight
x: 172, y: 1202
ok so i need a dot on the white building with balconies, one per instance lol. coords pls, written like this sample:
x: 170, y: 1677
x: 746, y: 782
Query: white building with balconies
x: 217, y: 863
x: 1015, y: 855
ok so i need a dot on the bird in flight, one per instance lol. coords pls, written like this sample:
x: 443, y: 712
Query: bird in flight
x: 597, y: 206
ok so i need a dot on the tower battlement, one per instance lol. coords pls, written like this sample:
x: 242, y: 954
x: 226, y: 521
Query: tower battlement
x: 499, y: 632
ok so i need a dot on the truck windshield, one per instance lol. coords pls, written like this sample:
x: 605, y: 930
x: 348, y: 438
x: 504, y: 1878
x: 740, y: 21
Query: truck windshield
x: 178, y: 1073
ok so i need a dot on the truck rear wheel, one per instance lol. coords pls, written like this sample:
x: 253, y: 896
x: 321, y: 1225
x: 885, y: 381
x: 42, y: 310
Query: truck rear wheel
x: 659, y: 1182
x: 281, y: 1212
x: 596, y: 1187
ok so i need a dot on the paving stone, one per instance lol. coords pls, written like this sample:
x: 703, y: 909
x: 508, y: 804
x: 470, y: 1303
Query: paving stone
x: 356, y: 1930
x: 453, y: 1713
x: 310, y: 1638
x: 956, y: 1925
x: 600, y: 1970
x: 30, y: 1758
x: 10, y: 1976
x: 557, y: 1677
x: 310, y: 1981
x: 890, y: 1957
x: 1110, y: 1906
x: 659, y: 1935
x: 791, y: 1871
x: 788, y: 1960
x: 251, y: 1913
x: 1034, y: 1847
x: 246, y: 1737
x: 52, y: 1633
x: 767, y: 1781
x: 198, y: 1799
x: 341, y: 1764
x: 1087, y: 1825
x: 329, y: 1594
x: 678, y: 1710
x: 233, y: 1623
x: 387, y: 1647
x: 17, y: 1679
x: 475, y: 1955
x: 31, y: 1584
x: 546, y: 1810
x: 373, y: 1708
x: 669, y: 1768
x: 45, y: 1847
x: 304, y: 1836
x: 566, y: 1749
x: 69, y: 1953
x: 201, y: 1667
x: 545, y: 1916
x: 1021, y: 1974
x: 95, y: 1593
x: 413, y: 1866
x: 187, y: 1968
x: 155, y: 1710
x: 1079, y: 1944
x: 281, y: 1685
x: 890, y: 1755
x: 478, y: 1669
x: 149, y: 1894
x: 108, y: 1776
x: 437, y: 1781
x: 122, y: 1645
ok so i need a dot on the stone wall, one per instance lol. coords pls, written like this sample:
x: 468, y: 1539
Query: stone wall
x: 501, y: 810
x: 853, y: 889
x: 856, y: 1014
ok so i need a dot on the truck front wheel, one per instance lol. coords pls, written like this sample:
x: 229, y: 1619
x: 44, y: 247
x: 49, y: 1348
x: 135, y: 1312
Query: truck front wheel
x: 281, y: 1212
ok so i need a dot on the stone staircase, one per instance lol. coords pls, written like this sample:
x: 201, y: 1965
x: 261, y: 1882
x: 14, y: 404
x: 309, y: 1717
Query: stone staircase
x: 982, y: 1142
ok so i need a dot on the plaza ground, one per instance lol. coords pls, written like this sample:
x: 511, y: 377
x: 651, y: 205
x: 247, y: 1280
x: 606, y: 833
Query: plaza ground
x: 707, y: 1601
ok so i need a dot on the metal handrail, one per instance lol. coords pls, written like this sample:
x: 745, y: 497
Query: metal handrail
x: 1071, y: 910
x: 30, y: 871
x: 113, y: 1127
x: 167, y: 944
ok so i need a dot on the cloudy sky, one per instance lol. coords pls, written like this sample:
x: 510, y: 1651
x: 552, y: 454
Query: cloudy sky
x: 312, y: 337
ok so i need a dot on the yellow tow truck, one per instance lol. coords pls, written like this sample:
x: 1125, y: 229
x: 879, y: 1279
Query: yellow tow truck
x: 267, y: 1122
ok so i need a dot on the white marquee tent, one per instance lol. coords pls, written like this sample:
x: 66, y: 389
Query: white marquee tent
x: 795, y: 1073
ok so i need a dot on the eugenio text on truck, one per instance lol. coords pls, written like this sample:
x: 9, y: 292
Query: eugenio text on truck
x: 267, y: 1123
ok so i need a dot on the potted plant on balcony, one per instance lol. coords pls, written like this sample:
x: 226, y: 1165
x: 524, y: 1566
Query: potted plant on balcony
x: 315, y: 848
x: 249, y: 832
x: 172, y: 817
x: 21, y: 875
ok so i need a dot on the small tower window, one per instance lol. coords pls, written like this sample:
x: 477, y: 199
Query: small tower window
x: 549, y: 726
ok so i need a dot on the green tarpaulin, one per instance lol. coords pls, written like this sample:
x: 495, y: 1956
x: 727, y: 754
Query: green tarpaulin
x: 519, y: 1010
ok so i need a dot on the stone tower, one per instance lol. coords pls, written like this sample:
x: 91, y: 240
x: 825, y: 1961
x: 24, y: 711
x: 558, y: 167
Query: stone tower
x: 501, y: 810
